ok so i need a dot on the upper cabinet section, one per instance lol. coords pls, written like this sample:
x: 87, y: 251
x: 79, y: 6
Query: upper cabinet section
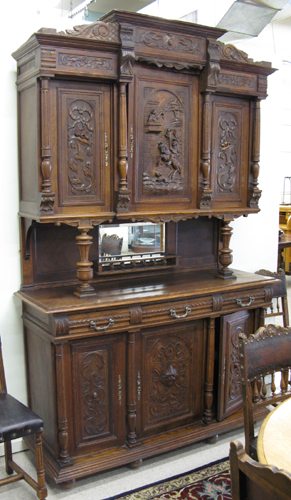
x: 138, y: 118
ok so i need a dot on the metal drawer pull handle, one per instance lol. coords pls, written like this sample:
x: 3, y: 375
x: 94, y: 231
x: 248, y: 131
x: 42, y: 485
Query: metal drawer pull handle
x: 177, y: 316
x: 239, y: 302
x: 92, y: 324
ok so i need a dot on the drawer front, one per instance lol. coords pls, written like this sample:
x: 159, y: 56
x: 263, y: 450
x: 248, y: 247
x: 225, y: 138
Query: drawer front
x: 237, y: 301
x: 99, y: 322
x: 171, y: 312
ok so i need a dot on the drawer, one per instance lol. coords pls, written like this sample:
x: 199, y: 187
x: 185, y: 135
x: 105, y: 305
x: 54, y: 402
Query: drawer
x: 99, y: 322
x: 236, y: 301
x: 171, y: 312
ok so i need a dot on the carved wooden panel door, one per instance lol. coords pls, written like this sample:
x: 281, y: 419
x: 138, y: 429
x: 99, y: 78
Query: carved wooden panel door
x: 171, y: 377
x: 81, y: 145
x: 229, y: 379
x: 230, y: 151
x: 98, y: 368
x: 164, y: 124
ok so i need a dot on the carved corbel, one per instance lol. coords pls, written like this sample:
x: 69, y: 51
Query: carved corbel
x: 127, y: 53
x: 211, y: 72
x: 256, y: 192
x: 47, y: 196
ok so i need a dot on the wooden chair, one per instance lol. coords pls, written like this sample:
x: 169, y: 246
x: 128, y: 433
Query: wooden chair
x: 251, y: 480
x: 16, y: 420
x: 279, y: 306
x: 111, y: 244
x: 262, y: 355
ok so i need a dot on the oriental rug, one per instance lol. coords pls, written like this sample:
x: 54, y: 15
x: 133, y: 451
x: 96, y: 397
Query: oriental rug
x: 210, y: 482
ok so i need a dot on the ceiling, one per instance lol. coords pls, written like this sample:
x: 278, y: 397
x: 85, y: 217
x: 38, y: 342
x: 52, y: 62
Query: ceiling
x: 100, y: 7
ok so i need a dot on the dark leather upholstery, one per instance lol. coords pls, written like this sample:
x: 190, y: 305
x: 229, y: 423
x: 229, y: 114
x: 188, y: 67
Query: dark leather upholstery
x: 16, y: 419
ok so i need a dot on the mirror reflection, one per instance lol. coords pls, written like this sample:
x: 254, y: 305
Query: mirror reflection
x: 130, y: 240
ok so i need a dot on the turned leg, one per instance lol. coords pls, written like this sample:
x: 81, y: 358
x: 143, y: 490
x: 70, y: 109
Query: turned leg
x: 41, y: 490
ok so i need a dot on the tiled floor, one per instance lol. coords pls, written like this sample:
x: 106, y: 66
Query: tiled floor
x: 107, y: 484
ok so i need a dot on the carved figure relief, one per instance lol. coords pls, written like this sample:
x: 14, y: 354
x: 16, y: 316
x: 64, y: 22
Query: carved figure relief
x: 226, y: 174
x: 168, y: 385
x: 93, y: 394
x: 80, y: 147
x: 163, y: 151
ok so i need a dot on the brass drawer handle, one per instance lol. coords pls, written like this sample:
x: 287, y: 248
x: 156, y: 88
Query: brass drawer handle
x: 240, y: 303
x: 92, y: 324
x: 179, y: 316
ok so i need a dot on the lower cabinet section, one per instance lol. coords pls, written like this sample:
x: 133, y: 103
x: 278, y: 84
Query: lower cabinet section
x: 109, y: 399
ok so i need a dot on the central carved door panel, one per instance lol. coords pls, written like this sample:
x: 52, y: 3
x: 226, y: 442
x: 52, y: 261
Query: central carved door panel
x: 171, y: 377
x: 98, y: 368
x: 164, y: 149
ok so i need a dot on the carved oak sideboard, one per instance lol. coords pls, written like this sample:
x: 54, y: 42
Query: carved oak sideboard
x: 138, y: 145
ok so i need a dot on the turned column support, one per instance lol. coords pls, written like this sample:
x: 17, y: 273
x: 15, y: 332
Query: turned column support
x: 225, y: 253
x: 209, y: 379
x: 47, y: 196
x: 63, y: 434
x: 256, y: 192
x: 206, y: 153
x: 123, y: 192
x: 131, y: 390
x: 84, y: 266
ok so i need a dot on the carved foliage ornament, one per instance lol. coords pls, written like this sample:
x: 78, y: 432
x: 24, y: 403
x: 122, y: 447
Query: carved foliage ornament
x: 226, y: 174
x: 84, y: 61
x: 234, y: 368
x: 80, y: 147
x: 171, y: 42
x: 96, y: 31
x: 163, y: 148
x: 168, y: 385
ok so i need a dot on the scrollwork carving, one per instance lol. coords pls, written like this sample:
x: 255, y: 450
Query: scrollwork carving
x: 80, y: 147
x: 226, y: 174
x: 168, y: 381
x: 84, y: 61
x: 96, y: 31
x: 171, y: 42
x: 95, y: 418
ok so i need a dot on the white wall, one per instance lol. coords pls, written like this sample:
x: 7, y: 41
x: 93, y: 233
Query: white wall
x: 255, y: 238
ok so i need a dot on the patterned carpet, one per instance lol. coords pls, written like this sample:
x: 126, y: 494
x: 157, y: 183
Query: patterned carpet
x: 211, y: 482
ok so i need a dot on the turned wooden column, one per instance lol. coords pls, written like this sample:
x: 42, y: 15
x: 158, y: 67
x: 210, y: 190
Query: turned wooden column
x: 131, y: 390
x: 256, y: 192
x: 63, y: 435
x: 209, y: 379
x: 225, y: 253
x: 206, y: 153
x: 84, y: 266
x: 123, y: 192
x: 47, y: 196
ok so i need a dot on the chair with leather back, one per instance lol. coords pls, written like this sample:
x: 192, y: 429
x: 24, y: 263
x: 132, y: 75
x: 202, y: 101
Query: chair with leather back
x: 16, y: 421
x: 263, y: 354
x: 279, y: 305
x: 251, y: 480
